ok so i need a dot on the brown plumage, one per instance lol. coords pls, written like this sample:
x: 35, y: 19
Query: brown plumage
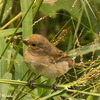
x: 45, y: 59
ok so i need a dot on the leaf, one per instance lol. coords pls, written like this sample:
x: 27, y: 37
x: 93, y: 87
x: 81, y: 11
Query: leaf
x: 5, y: 87
x: 53, y: 94
x: 7, y: 32
x: 3, y: 61
x: 57, y: 98
x: 84, y: 50
x: 27, y: 30
x: 20, y: 66
x: 47, y: 91
x: 62, y: 4
x: 7, y: 9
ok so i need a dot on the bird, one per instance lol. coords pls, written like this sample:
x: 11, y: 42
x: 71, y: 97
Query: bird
x: 44, y: 59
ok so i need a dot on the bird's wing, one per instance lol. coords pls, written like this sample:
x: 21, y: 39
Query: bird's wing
x: 59, y: 56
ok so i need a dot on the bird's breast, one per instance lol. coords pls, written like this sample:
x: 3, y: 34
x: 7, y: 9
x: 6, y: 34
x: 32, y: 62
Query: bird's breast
x: 41, y: 65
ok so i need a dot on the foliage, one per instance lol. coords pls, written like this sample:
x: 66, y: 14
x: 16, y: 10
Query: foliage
x: 72, y: 25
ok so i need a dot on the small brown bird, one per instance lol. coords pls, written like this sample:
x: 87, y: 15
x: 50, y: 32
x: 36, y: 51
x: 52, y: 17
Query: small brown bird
x: 45, y: 59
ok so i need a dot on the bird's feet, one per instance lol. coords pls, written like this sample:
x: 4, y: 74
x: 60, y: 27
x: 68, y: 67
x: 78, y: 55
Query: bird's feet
x: 54, y: 86
x: 30, y: 84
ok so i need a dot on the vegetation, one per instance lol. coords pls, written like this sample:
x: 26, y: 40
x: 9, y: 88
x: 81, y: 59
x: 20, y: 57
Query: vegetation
x: 71, y: 25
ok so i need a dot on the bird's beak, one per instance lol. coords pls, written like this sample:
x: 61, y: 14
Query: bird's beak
x: 25, y: 41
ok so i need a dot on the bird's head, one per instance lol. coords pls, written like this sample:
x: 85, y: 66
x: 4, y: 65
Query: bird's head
x: 37, y: 44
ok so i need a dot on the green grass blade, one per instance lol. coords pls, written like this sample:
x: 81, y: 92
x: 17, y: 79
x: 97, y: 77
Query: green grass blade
x: 2, y: 11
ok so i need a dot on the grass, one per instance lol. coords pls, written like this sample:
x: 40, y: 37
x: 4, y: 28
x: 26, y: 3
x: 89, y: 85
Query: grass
x: 77, y: 24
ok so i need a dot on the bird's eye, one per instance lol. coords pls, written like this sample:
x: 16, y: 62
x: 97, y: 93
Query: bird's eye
x: 33, y: 45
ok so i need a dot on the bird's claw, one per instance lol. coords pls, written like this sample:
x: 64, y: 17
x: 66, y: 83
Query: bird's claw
x: 30, y: 84
x: 54, y: 87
